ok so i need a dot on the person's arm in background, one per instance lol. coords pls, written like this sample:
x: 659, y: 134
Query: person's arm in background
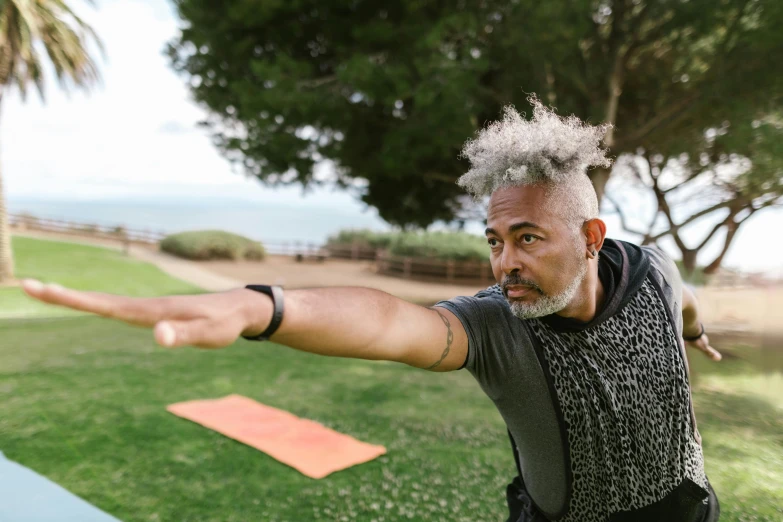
x: 692, y: 325
x: 351, y: 322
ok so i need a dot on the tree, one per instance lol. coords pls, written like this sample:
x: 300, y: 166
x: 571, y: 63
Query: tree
x: 26, y: 28
x: 390, y: 92
x: 716, y: 182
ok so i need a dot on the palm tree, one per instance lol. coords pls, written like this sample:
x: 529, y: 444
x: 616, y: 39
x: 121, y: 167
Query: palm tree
x: 28, y: 28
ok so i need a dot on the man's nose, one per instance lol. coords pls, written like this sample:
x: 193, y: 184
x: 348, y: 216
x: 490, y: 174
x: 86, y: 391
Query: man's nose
x: 510, y: 261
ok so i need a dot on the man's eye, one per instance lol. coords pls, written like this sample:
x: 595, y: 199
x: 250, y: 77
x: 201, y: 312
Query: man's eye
x: 529, y: 239
x: 493, y: 242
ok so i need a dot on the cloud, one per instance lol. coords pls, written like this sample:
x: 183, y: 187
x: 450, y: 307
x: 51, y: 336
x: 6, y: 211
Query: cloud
x: 175, y: 127
x: 139, y: 125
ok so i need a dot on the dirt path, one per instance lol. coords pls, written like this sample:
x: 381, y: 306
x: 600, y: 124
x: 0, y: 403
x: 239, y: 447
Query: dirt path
x: 215, y: 276
x: 335, y: 272
x: 189, y: 271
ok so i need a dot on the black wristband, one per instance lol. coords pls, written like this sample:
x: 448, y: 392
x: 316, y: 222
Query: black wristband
x: 695, y: 337
x: 276, y: 293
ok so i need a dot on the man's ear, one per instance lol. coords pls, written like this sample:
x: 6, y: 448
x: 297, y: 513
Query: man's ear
x: 595, y: 232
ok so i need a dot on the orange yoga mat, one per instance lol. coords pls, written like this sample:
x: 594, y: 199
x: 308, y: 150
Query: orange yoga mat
x: 305, y: 445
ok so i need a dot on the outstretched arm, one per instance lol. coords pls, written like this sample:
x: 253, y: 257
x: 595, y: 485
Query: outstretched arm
x: 351, y: 322
x: 692, y: 325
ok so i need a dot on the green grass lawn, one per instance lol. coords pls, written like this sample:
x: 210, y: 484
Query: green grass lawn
x: 82, y: 401
x: 83, y: 267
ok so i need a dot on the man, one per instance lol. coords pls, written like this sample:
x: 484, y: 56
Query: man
x: 582, y: 353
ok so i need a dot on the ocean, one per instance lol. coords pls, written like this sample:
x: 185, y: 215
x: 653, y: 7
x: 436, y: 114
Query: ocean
x: 273, y: 223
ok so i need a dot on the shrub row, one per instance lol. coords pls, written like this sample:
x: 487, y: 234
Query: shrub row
x: 203, y: 245
x: 457, y: 246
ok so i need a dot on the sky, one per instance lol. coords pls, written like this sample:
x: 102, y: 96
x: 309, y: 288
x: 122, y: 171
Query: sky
x: 135, y: 136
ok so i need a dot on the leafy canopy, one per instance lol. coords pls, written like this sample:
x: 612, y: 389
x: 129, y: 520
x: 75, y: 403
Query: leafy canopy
x: 389, y: 93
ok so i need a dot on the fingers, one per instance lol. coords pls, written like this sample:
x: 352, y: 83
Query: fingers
x: 712, y: 353
x: 138, y: 311
x: 203, y: 333
x: 55, y: 294
x: 178, y: 320
x: 703, y: 344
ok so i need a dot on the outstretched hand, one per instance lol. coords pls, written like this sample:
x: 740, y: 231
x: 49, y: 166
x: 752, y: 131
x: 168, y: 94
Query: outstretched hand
x: 205, y: 321
x: 703, y: 344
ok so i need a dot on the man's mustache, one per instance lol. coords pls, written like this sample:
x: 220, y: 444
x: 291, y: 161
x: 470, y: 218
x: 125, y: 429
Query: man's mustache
x: 515, y: 280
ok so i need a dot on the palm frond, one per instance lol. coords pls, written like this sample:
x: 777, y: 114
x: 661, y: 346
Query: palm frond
x: 28, y: 27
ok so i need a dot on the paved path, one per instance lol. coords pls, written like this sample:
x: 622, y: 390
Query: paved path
x: 188, y: 271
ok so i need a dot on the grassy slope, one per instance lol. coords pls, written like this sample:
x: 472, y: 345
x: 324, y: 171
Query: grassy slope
x: 82, y: 401
x: 83, y: 267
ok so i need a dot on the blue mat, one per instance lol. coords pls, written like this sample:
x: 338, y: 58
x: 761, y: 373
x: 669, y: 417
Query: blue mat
x: 26, y: 496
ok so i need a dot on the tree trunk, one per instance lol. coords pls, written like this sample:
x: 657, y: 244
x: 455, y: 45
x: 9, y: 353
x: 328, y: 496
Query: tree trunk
x: 730, y: 233
x: 6, y: 256
x: 599, y: 177
x: 689, y: 261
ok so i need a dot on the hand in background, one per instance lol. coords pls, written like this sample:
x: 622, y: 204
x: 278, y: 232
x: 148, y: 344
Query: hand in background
x: 703, y: 344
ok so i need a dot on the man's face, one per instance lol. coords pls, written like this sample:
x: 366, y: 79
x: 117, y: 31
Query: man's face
x: 537, y: 258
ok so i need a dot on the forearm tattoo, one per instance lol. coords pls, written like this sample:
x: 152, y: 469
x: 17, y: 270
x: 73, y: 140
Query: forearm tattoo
x: 449, y: 338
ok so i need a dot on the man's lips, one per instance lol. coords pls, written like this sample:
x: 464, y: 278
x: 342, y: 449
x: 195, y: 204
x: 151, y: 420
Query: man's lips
x: 515, y: 291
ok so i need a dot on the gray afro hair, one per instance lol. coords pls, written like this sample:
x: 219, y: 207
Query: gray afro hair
x: 548, y: 149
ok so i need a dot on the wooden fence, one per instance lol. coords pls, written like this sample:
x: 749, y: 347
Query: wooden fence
x: 419, y: 268
x: 126, y: 236
x: 406, y: 267
x: 448, y: 271
x: 354, y: 251
x: 117, y: 232
x: 301, y: 250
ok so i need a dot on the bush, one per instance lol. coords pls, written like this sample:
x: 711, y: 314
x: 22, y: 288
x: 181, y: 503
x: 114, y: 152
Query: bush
x: 366, y: 238
x: 457, y: 246
x: 204, y: 245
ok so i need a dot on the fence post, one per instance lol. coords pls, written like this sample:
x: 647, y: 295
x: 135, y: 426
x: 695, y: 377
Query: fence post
x: 406, y: 268
x: 450, y: 270
x: 355, y: 250
x: 484, y: 274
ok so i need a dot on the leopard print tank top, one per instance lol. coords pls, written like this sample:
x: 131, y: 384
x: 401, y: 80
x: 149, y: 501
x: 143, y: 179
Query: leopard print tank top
x: 624, y: 393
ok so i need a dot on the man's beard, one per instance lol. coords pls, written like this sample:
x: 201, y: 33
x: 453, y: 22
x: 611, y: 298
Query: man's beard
x: 545, y: 304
